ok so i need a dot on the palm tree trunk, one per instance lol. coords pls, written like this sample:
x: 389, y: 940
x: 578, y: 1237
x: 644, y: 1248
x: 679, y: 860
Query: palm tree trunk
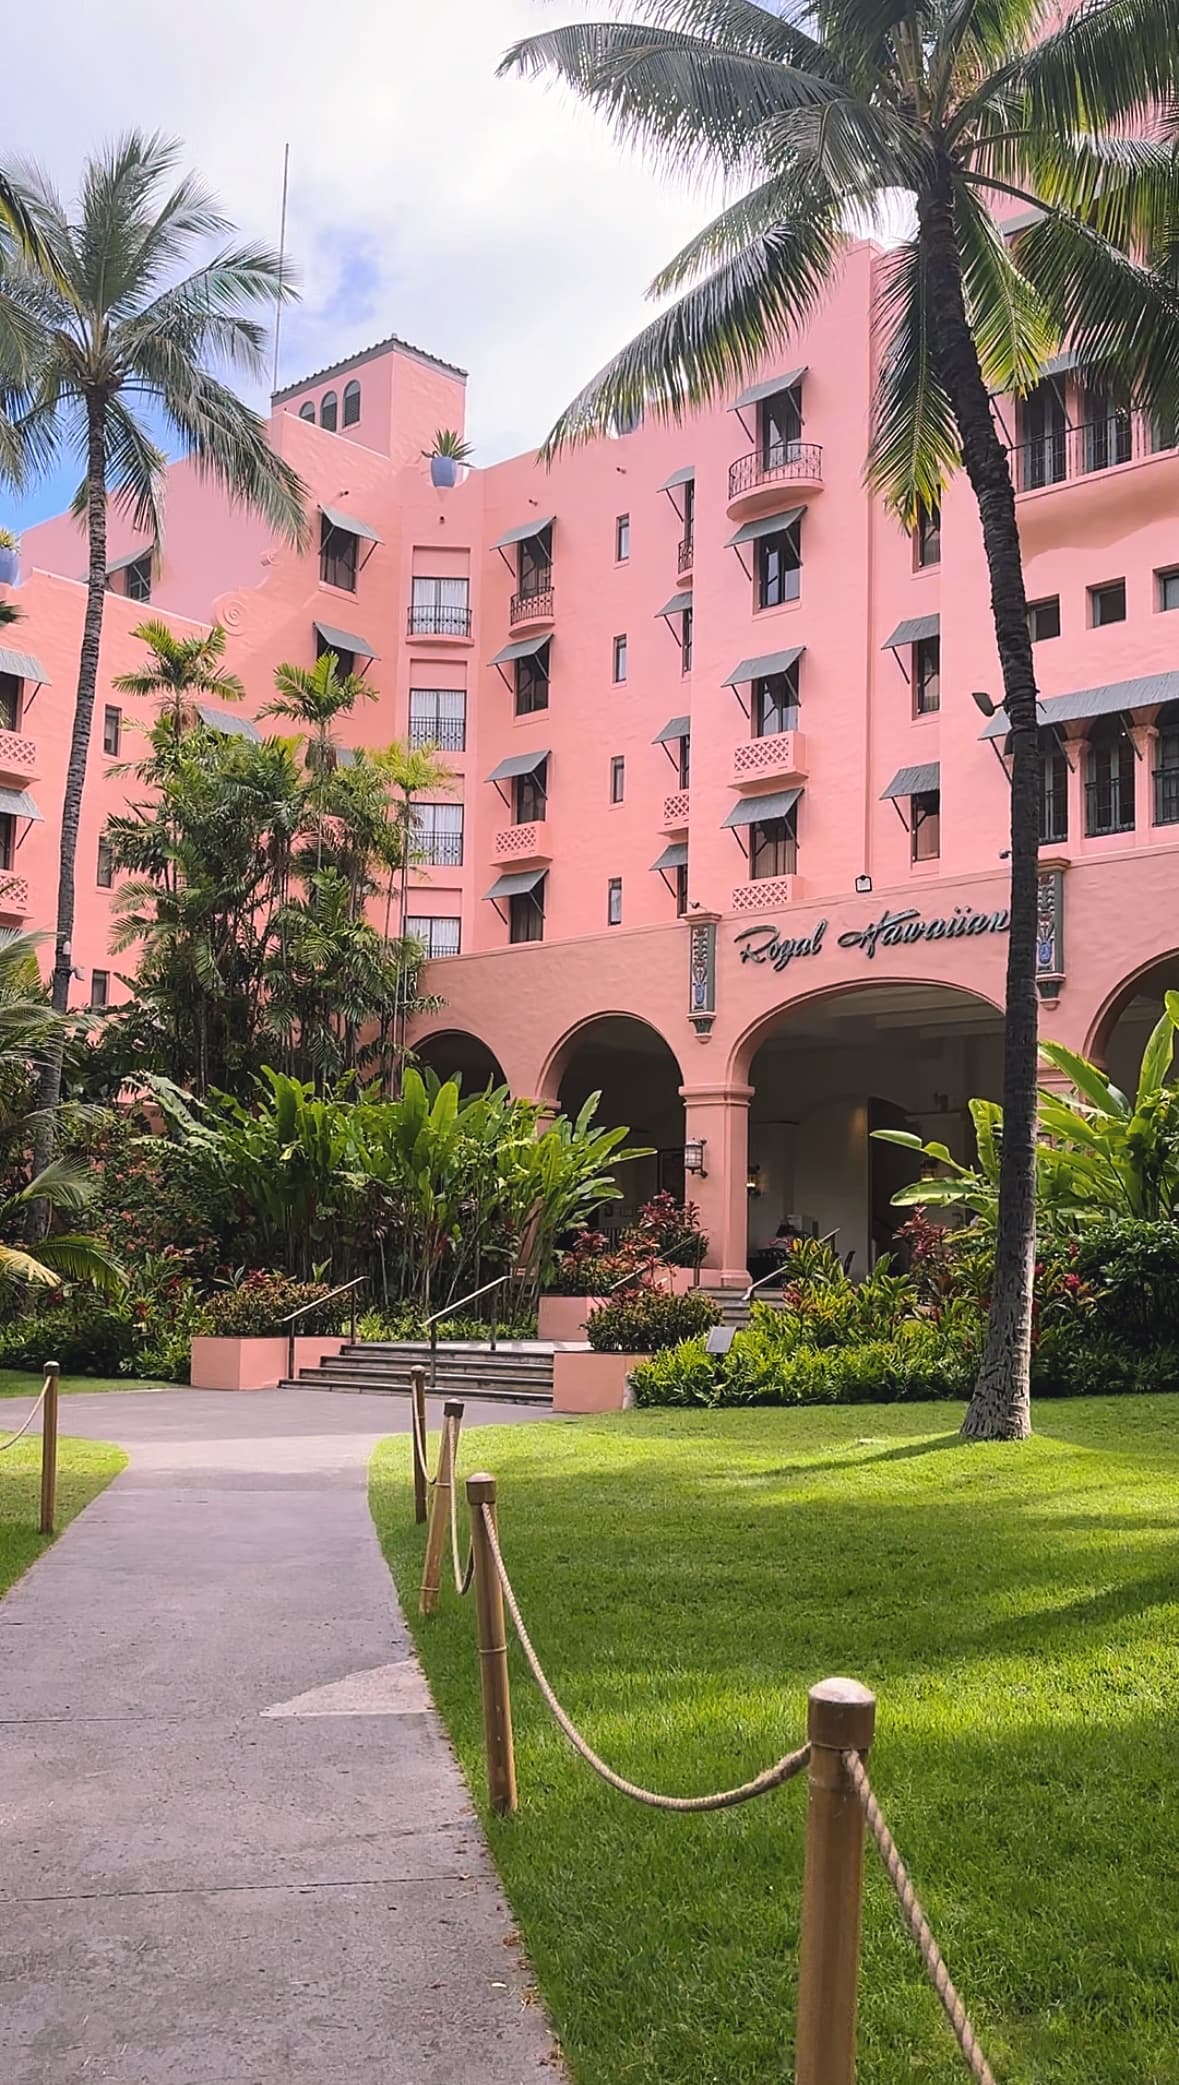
x: 400, y: 1009
x: 1000, y: 1408
x: 49, y: 1089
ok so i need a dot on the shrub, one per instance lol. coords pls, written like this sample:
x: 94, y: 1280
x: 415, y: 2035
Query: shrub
x: 671, y: 1229
x: 408, y: 1322
x: 591, y: 1266
x: 88, y: 1334
x: 644, y: 1320
x: 1133, y: 1267
x: 916, y: 1364
x: 683, y: 1375
x: 256, y: 1306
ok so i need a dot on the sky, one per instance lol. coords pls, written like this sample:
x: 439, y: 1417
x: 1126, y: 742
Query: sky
x: 493, y: 222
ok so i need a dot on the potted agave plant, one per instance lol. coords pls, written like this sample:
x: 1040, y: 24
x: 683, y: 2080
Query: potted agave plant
x: 448, y: 452
x: 9, y: 557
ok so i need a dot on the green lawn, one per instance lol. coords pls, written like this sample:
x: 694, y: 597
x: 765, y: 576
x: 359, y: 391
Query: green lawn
x: 84, y: 1468
x: 16, y: 1382
x: 687, y: 1576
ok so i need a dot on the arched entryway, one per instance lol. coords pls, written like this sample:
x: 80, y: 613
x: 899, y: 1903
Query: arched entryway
x: 1121, y: 1031
x: 832, y: 1068
x: 451, y: 1051
x: 637, y: 1074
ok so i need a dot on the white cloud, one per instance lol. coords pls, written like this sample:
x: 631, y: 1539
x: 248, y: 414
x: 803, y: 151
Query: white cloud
x: 491, y: 221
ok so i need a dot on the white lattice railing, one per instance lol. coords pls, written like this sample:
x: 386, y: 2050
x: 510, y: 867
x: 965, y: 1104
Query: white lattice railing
x: 18, y: 756
x: 756, y: 759
x: 767, y: 894
x: 14, y: 895
x: 518, y: 842
x: 675, y: 811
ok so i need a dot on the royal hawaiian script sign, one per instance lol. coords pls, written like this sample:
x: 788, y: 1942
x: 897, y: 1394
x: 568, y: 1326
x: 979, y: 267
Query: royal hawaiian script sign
x: 766, y: 944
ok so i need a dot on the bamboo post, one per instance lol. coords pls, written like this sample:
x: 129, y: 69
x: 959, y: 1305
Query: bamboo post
x: 493, y: 1653
x: 841, y: 1717
x: 417, y: 1419
x: 440, y: 1509
x: 49, y: 1447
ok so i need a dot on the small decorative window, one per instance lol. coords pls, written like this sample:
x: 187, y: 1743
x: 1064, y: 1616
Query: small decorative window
x: 622, y: 539
x: 614, y: 902
x: 100, y: 989
x: 351, y: 403
x: 620, y: 658
x: 617, y: 778
x: 327, y: 411
x: 112, y: 730
x: 307, y: 410
x: 105, y: 874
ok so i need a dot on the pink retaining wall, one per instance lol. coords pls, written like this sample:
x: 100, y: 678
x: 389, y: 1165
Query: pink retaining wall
x: 253, y: 1364
x: 589, y: 1382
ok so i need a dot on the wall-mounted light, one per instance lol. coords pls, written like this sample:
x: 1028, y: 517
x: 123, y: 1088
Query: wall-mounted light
x: 983, y: 701
x: 753, y: 1180
x: 694, y: 1157
x: 863, y: 885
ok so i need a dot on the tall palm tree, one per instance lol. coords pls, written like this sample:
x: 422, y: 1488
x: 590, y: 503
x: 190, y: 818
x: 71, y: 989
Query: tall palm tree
x: 102, y: 327
x: 412, y: 771
x: 823, y: 113
x: 177, y: 668
x: 315, y: 696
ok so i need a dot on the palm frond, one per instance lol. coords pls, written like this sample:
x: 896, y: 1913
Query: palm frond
x: 1115, y: 312
x: 69, y: 1257
x: 914, y: 444
x: 136, y: 470
x: 1013, y: 328
x: 227, y: 441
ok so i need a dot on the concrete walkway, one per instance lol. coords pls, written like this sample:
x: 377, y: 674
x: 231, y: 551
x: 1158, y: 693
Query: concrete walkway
x: 234, y: 1844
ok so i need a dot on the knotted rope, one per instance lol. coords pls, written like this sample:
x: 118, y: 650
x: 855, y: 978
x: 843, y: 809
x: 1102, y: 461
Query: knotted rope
x: 22, y: 1430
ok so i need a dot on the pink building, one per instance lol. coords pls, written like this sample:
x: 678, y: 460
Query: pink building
x: 730, y: 838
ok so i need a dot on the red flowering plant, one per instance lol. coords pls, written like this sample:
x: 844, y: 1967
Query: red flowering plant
x: 671, y: 1231
x: 593, y: 1266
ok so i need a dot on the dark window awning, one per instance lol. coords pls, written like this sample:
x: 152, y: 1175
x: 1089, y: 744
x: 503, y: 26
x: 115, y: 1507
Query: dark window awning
x: 914, y: 781
x: 341, y: 518
x: 519, y: 764
x: 760, y: 669
x: 758, y: 810
x: 912, y: 632
x: 223, y: 720
x: 680, y: 477
x: 1108, y: 701
x: 23, y: 666
x: 1061, y: 364
x: 1021, y: 221
x: 766, y: 525
x: 525, y: 530
x: 132, y: 557
x: 676, y: 727
x: 523, y: 648
x: 345, y: 641
x: 676, y: 605
x: 673, y: 857
x: 772, y: 384
x: 17, y: 803
x: 518, y: 885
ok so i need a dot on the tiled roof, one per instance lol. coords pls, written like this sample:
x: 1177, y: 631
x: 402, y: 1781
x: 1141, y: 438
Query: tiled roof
x: 378, y: 347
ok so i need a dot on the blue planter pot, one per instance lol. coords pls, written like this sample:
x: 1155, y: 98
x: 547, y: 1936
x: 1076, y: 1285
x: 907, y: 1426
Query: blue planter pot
x: 443, y: 470
x: 9, y: 566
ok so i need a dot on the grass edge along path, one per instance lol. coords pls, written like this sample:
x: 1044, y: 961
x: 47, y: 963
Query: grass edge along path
x: 686, y: 1577
x: 21, y: 1382
x: 84, y: 1469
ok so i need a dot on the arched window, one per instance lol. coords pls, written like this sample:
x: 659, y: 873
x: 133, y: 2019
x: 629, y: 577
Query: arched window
x: 307, y: 409
x: 351, y: 403
x: 327, y: 411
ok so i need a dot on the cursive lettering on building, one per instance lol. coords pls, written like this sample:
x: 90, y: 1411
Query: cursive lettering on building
x: 893, y: 929
x: 764, y: 944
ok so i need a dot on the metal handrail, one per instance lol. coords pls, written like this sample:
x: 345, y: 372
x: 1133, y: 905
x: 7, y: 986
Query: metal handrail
x: 449, y: 1311
x: 775, y: 1273
x: 659, y: 1259
x: 343, y: 1290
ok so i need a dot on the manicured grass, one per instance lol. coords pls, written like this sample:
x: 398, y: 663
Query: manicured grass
x: 16, y: 1382
x: 687, y: 1576
x: 84, y: 1468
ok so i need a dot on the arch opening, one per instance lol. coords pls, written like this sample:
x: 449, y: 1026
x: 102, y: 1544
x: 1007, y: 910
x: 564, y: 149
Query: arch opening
x: 1121, y: 1032
x: 454, y: 1051
x: 637, y: 1074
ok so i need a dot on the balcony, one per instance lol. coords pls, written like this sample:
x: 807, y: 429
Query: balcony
x: 448, y: 734
x: 779, y: 757
x: 18, y: 756
x: 756, y: 479
x: 14, y: 896
x: 1166, y: 796
x: 533, y: 606
x: 453, y: 624
x: 1066, y: 454
x: 675, y: 812
x: 522, y: 843
x: 768, y: 894
x: 438, y: 851
x: 686, y: 554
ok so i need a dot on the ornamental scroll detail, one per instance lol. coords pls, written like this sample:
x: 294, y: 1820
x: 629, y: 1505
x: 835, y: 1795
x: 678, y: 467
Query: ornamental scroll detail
x: 702, y: 976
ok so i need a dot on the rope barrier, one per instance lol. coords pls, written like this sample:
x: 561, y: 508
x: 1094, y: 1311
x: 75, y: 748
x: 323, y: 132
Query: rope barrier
x: 419, y: 1445
x: 774, y: 1776
x: 918, y: 1924
x: 22, y: 1430
x: 462, y: 1579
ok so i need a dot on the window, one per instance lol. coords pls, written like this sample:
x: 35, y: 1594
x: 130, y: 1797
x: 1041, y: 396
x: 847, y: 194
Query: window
x: 614, y: 902
x: 617, y: 778
x: 345, y: 660
x: 351, y: 403
x: 327, y: 411
x: 779, y: 426
x: 112, y: 730
x: 622, y: 539
x: 438, y: 830
x: 1109, y: 783
x: 441, y: 608
x: 685, y: 760
x: 1053, y: 789
x: 1106, y: 432
x: 307, y: 410
x: 528, y: 796
x: 773, y: 848
x: 100, y: 989
x: 7, y: 839
x: 438, y: 936
x: 620, y: 658
x: 779, y: 564
x: 132, y: 580
x: 534, y: 565
x: 925, y: 825
x: 11, y: 690
x: 681, y: 890
x: 1040, y: 458
x: 775, y: 703
x: 337, y: 555
x: 526, y: 915
x: 532, y: 682
x: 1168, y: 588
x: 686, y: 641
x: 927, y: 676
x: 105, y: 873
x: 1107, y: 604
x: 927, y: 537
x: 1166, y: 773
x: 1044, y: 618
x: 438, y: 717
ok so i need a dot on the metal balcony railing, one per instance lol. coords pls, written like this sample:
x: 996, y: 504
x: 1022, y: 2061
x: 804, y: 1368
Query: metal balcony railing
x: 449, y: 734
x: 1068, y: 453
x: 1166, y: 796
x: 432, y: 621
x: 1109, y: 808
x: 782, y: 463
x: 439, y: 850
x: 686, y: 550
x: 533, y: 604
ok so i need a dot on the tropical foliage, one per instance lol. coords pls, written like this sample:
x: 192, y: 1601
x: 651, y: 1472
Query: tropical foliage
x: 824, y: 119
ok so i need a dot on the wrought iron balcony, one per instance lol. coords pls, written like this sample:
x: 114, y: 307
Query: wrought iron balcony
x: 1109, y: 808
x: 782, y: 463
x: 432, y: 621
x: 438, y: 851
x: 687, y: 548
x: 1067, y: 453
x: 449, y: 734
x: 1166, y: 796
x: 534, y: 603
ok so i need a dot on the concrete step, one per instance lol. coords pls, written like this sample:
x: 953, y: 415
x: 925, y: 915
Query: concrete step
x: 520, y: 1372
